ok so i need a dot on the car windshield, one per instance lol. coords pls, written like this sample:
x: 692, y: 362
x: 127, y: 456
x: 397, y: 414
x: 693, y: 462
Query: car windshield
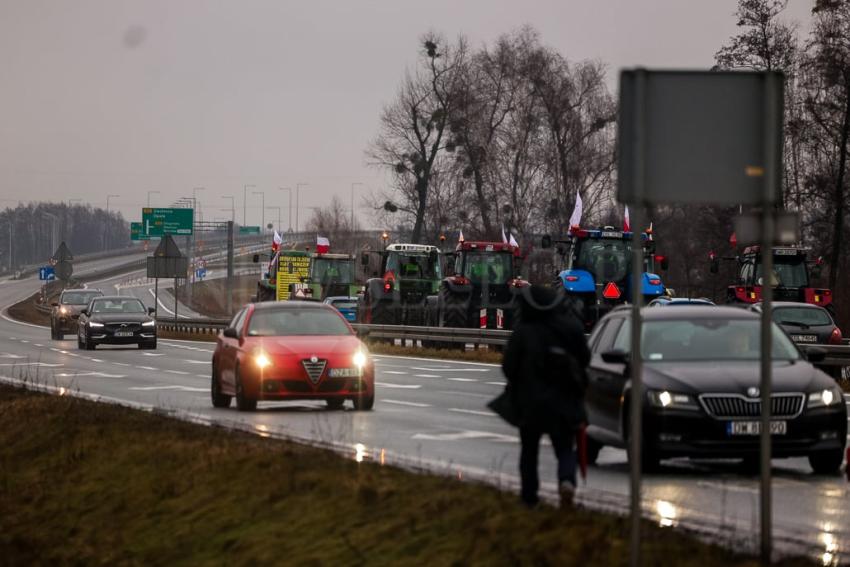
x: 705, y: 339
x: 335, y: 270
x: 345, y: 304
x: 292, y: 322
x: 788, y: 271
x: 493, y: 267
x: 806, y: 315
x: 607, y: 259
x: 78, y: 297
x: 417, y: 266
x: 118, y: 306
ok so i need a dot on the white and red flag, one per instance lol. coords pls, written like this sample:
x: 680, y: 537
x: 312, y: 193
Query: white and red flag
x: 627, y: 226
x: 460, y: 237
x: 277, y: 240
x: 323, y: 245
x: 513, y: 241
x: 575, y: 218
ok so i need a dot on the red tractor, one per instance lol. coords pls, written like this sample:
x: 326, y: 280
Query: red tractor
x: 790, y: 277
x: 481, y: 291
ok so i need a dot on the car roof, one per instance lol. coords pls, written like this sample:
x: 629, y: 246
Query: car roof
x: 692, y: 312
x: 342, y: 298
x: 781, y: 304
x: 121, y: 297
x: 82, y: 290
x: 290, y: 304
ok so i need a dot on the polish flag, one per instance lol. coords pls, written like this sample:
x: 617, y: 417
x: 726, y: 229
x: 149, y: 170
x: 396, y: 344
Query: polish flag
x: 276, y: 242
x: 323, y: 245
x: 460, y: 237
x: 504, y: 237
x: 626, y: 224
x: 513, y: 241
x: 575, y: 218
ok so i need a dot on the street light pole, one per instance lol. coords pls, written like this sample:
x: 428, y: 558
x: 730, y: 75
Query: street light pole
x: 262, y: 211
x: 232, y: 207
x: 245, y: 203
x: 298, y: 202
x: 277, y: 226
x: 289, y: 189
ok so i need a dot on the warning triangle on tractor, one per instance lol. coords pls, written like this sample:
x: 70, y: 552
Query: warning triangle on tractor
x: 611, y: 291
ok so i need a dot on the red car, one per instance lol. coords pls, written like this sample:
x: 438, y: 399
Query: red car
x: 291, y: 350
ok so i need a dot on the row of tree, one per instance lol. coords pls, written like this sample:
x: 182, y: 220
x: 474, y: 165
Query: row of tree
x: 34, y: 230
x: 508, y: 134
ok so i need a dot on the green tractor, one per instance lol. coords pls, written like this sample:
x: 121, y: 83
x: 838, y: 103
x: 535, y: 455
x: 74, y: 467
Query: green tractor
x: 410, y: 274
x: 293, y: 274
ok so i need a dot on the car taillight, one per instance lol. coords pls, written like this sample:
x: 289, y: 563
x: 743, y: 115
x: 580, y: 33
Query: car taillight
x: 388, y: 286
x: 654, y: 281
x: 835, y: 337
x: 571, y: 278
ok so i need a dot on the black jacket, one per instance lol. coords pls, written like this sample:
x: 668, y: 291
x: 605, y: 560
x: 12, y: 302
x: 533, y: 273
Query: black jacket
x: 545, y: 364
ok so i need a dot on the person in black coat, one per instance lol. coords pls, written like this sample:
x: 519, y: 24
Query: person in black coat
x: 545, y: 364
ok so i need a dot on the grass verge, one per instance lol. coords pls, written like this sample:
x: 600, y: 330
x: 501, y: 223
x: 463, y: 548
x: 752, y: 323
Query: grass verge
x: 84, y: 483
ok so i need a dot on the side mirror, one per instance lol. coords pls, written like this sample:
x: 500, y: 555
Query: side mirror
x: 364, y: 259
x: 230, y: 333
x: 616, y: 356
x: 815, y: 354
x: 256, y: 258
x: 714, y: 266
x: 546, y: 241
x: 151, y: 310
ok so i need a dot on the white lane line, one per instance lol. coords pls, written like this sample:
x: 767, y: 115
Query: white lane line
x: 496, y: 383
x: 31, y: 364
x: 121, y: 364
x: 161, y: 304
x: 10, y: 355
x: 405, y: 373
x: 39, y: 345
x: 463, y: 379
x: 98, y: 374
x: 147, y: 368
x: 93, y: 359
x: 446, y: 369
x: 401, y: 386
x: 402, y: 403
x: 177, y: 372
x: 474, y: 412
x: 188, y: 361
x: 178, y: 388
x: 426, y: 376
x: 9, y: 319
x: 201, y: 375
x: 463, y: 435
x: 24, y: 341
x: 153, y: 354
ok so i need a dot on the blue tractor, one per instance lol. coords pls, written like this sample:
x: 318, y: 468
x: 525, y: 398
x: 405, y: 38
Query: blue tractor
x: 597, y: 268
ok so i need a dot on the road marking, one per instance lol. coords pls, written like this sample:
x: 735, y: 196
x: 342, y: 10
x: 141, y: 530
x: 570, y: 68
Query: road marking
x: 496, y: 383
x: 426, y: 376
x: 405, y: 373
x: 9, y: 355
x: 39, y: 345
x: 201, y: 375
x: 401, y: 403
x: 448, y: 369
x: 146, y: 368
x: 463, y: 379
x: 153, y: 354
x: 390, y: 356
x: 176, y: 372
x: 93, y: 359
x: 31, y: 364
x: 474, y: 412
x: 402, y: 386
x: 24, y: 341
x: 179, y: 388
x: 462, y: 435
x: 197, y: 361
x: 121, y: 364
x: 98, y: 374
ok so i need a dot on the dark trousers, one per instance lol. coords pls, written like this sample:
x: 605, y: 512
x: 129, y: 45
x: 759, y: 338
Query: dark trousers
x: 562, y: 443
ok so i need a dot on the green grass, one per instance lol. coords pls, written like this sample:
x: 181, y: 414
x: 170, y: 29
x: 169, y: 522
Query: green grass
x: 86, y: 483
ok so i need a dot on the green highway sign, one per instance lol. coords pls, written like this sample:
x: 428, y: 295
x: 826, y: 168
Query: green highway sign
x: 249, y: 230
x: 136, y: 232
x: 159, y: 222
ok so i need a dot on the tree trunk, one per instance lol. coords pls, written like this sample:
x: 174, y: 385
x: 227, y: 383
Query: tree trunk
x: 422, y: 193
x: 838, y: 228
x: 482, y: 201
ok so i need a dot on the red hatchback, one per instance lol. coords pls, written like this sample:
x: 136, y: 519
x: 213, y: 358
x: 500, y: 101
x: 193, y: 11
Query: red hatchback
x: 291, y: 350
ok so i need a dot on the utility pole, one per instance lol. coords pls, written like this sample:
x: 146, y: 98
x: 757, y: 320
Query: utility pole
x: 289, y: 189
x: 245, y: 203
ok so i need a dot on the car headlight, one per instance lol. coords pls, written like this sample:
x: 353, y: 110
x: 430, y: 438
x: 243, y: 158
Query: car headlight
x: 671, y: 400
x: 63, y: 310
x: 825, y: 398
x: 150, y: 323
x: 359, y: 359
x: 262, y: 360
x: 93, y: 324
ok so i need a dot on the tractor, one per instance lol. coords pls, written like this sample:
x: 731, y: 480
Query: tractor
x: 398, y: 291
x: 481, y: 290
x: 598, y: 269
x: 300, y: 275
x: 791, y: 277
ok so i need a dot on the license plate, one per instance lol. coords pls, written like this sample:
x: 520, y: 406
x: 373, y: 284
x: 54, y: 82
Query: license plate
x: 804, y: 338
x: 123, y: 333
x: 344, y: 372
x: 754, y: 427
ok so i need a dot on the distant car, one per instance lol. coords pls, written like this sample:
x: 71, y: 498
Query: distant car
x: 676, y: 301
x: 116, y: 320
x: 702, y: 375
x: 805, y: 323
x: 345, y: 305
x: 66, y: 311
x: 291, y: 350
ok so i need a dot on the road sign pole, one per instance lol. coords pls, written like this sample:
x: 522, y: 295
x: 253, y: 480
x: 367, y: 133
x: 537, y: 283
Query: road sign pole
x: 230, y: 268
x: 156, y: 298
x: 175, y: 299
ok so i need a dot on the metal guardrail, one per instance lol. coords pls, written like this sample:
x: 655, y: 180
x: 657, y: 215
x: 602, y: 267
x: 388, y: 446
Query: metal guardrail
x: 430, y: 335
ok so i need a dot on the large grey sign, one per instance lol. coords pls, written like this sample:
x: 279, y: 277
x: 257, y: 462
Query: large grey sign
x: 699, y: 137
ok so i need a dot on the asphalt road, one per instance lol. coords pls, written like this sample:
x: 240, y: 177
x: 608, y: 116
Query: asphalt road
x: 432, y: 413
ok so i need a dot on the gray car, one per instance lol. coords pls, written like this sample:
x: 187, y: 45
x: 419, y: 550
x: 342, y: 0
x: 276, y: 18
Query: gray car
x: 66, y: 311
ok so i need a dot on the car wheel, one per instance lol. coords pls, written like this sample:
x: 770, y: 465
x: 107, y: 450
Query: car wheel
x: 243, y: 403
x: 219, y: 400
x: 90, y: 344
x: 593, y: 448
x: 364, y: 403
x: 826, y: 462
x: 52, y: 331
x: 335, y: 403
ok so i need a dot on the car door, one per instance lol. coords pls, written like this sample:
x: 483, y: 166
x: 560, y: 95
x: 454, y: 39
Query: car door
x: 605, y: 380
x: 81, y: 322
x: 229, y: 350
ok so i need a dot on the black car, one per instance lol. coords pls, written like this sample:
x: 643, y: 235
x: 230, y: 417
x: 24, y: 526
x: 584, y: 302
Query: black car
x: 701, y: 375
x: 116, y: 320
x: 805, y: 323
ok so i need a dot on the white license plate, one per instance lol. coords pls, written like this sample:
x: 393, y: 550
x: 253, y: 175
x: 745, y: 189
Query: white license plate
x: 123, y: 333
x: 754, y: 427
x: 804, y: 338
x: 344, y: 372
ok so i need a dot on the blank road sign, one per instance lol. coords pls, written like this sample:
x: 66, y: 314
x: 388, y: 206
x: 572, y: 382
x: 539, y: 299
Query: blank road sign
x: 699, y: 137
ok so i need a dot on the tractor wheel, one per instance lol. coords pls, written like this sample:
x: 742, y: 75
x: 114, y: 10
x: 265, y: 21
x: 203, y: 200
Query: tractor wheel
x: 453, y: 308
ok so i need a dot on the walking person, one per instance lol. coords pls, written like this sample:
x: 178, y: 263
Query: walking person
x: 545, y: 364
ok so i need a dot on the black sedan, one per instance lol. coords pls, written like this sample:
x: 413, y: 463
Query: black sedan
x: 701, y: 376
x: 116, y: 321
x: 805, y: 323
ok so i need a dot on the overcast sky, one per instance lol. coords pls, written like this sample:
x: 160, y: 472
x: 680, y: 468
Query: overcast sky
x: 120, y: 97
